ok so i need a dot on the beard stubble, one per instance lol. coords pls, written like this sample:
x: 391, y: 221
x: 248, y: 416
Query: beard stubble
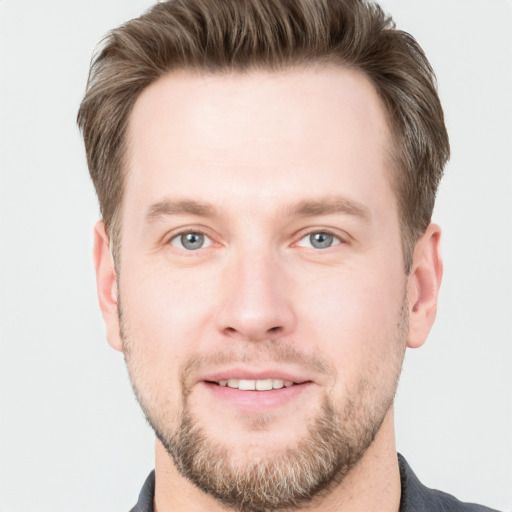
x: 334, y: 443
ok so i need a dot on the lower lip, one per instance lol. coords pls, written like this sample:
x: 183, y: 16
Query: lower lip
x: 257, y: 401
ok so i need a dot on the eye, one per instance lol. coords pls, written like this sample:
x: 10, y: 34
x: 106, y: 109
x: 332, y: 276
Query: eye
x: 319, y: 240
x: 191, y: 241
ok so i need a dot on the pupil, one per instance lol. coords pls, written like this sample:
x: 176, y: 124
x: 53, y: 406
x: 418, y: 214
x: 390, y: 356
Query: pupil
x: 321, y: 240
x: 192, y: 240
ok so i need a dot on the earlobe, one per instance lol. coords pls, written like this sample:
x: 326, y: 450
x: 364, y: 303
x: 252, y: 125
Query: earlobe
x: 106, y: 284
x: 423, y: 285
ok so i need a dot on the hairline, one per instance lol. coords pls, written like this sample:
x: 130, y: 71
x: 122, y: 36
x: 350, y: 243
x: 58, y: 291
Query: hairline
x: 393, y: 158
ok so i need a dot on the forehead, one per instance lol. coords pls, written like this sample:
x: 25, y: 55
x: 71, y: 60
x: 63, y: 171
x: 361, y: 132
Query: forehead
x: 280, y: 134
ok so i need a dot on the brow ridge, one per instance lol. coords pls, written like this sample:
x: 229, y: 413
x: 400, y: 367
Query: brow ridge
x: 307, y: 208
x: 328, y: 206
x: 168, y: 207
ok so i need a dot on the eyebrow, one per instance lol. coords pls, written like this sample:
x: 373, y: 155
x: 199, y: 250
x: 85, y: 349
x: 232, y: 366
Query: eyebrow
x: 330, y: 205
x: 168, y: 207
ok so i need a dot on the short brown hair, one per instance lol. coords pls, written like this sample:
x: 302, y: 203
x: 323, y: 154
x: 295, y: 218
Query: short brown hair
x: 241, y: 35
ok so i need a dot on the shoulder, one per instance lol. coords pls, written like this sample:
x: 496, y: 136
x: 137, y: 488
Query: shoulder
x: 147, y: 493
x: 418, y: 498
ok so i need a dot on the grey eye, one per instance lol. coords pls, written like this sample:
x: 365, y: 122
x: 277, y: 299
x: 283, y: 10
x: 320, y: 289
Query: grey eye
x: 191, y: 241
x: 321, y: 240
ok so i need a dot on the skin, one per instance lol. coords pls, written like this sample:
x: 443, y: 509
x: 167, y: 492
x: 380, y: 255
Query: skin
x: 257, y: 149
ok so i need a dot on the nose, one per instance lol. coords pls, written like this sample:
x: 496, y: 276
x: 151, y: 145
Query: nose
x: 257, y: 301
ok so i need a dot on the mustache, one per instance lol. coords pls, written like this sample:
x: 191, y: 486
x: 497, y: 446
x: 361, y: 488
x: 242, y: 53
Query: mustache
x: 257, y: 353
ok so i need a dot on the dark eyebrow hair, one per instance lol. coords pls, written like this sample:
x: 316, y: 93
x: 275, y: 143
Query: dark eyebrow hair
x: 180, y: 207
x: 328, y: 206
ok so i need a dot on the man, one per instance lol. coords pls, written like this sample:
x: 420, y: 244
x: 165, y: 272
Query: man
x: 266, y: 172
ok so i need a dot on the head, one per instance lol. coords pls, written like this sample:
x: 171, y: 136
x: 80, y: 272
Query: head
x: 266, y: 173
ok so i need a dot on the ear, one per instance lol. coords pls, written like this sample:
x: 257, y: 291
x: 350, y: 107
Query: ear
x: 106, y: 284
x: 423, y: 285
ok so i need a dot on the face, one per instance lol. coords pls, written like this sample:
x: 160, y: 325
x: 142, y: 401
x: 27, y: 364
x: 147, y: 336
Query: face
x: 261, y: 285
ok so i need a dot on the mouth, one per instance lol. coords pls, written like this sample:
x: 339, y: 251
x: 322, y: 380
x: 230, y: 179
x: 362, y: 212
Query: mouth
x: 255, y: 385
x: 256, y: 394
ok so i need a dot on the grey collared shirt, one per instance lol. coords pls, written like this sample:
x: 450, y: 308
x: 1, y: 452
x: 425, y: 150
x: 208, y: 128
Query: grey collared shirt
x: 415, y: 496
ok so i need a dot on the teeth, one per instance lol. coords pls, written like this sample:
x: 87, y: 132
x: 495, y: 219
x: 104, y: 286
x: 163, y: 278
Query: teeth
x: 233, y: 383
x: 264, y: 385
x: 246, y: 385
x: 260, y: 385
x: 277, y: 384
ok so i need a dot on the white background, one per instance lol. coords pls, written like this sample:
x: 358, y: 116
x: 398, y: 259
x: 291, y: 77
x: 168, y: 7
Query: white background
x: 71, y: 436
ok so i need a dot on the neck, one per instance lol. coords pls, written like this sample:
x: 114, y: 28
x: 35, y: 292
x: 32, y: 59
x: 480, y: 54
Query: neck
x: 373, y: 484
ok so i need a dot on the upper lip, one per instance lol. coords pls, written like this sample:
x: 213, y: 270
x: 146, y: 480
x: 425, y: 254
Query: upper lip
x: 253, y: 374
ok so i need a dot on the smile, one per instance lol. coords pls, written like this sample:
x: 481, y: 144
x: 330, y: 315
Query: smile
x: 256, y: 385
x: 256, y: 394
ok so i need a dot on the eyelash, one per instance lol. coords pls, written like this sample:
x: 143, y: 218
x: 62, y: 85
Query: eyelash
x: 337, y: 240
x: 180, y: 234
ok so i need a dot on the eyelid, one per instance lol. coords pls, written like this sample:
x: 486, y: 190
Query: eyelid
x: 340, y: 239
x: 178, y: 232
x: 207, y: 239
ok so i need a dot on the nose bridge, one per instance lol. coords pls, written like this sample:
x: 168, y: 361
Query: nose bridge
x: 256, y: 304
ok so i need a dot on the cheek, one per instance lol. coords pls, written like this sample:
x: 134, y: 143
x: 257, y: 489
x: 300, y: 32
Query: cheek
x: 154, y: 324
x: 162, y: 305
x: 354, y: 315
x: 166, y: 318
